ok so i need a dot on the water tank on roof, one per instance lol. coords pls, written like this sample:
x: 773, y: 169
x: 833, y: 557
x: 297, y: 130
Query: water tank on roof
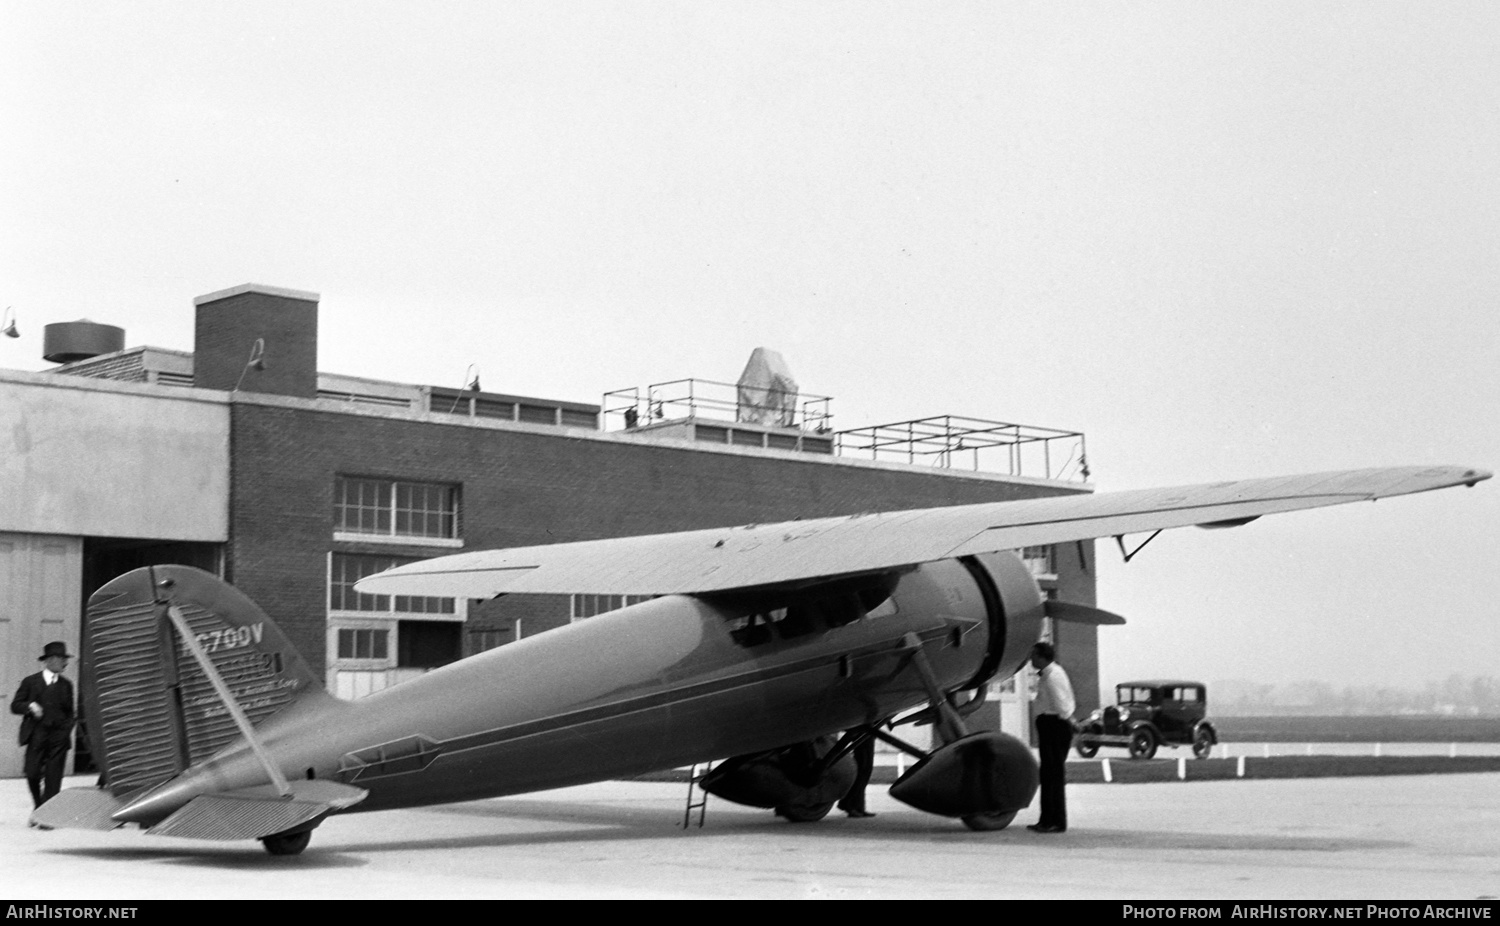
x: 64, y: 342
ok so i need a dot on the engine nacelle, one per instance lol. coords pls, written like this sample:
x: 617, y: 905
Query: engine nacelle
x: 1016, y: 607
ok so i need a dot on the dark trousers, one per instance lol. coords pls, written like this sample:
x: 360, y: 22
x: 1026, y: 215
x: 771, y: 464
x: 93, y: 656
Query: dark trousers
x: 46, y: 757
x: 864, y: 763
x: 1054, y: 735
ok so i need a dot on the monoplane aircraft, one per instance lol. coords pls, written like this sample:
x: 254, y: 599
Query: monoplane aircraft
x: 774, y: 648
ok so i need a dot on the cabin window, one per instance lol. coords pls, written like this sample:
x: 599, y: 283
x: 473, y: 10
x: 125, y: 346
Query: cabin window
x: 755, y: 629
x: 799, y: 618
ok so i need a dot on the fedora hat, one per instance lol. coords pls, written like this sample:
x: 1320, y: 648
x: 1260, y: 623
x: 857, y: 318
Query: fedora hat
x: 57, y: 648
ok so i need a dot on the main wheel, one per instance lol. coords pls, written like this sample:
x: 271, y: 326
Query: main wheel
x: 804, y: 813
x: 1088, y: 750
x: 988, y: 822
x: 287, y: 843
x: 1203, y: 744
x: 1142, y: 744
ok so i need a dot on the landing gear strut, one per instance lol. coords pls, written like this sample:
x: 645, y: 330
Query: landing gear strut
x: 982, y: 778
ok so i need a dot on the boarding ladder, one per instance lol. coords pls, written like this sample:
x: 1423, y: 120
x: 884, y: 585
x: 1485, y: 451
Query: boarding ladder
x: 697, y: 798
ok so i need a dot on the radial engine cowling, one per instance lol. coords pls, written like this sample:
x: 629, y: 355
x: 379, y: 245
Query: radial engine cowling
x: 1016, y: 607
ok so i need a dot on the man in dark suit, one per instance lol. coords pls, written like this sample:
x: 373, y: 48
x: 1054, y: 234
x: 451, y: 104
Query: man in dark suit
x: 45, y: 703
x: 853, y: 803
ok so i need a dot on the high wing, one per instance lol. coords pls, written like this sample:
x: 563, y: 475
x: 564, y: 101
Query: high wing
x: 721, y: 559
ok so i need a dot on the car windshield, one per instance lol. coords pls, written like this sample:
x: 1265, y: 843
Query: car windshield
x: 1130, y: 695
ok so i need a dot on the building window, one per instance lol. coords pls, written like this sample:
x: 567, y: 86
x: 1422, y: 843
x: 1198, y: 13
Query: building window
x: 347, y: 568
x: 585, y: 606
x: 363, y: 644
x: 1042, y: 561
x: 393, y: 508
x: 481, y: 641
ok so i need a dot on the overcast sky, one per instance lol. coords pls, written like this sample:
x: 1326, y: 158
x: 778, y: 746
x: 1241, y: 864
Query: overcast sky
x: 1224, y: 240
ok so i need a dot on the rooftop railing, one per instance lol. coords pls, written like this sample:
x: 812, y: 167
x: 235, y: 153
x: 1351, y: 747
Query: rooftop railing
x: 701, y: 398
x: 941, y: 442
x: 952, y: 442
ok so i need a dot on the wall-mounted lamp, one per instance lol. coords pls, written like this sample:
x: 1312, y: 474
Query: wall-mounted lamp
x: 10, y: 323
x: 256, y: 362
x: 472, y: 375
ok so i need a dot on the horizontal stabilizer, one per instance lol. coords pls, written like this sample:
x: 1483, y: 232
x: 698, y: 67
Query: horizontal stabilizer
x: 1081, y: 614
x: 252, y: 813
x: 80, y: 809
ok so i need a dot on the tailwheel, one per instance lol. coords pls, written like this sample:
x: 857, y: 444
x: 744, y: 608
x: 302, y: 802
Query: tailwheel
x: 804, y: 813
x: 287, y: 843
x: 989, y: 822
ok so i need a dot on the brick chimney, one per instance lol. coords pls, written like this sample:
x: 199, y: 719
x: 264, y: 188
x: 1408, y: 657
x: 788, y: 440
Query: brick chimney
x: 228, y: 326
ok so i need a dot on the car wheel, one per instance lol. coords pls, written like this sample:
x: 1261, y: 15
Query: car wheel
x: 804, y: 813
x: 1088, y: 750
x: 1203, y: 744
x: 1142, y: 744
x: 989, y: 822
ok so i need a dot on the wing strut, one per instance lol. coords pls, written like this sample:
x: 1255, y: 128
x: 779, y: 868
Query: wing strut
x: 1120, y: 539
x: 227, y: 697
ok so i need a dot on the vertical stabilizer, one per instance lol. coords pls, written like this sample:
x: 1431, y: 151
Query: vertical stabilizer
x: 151, y: 710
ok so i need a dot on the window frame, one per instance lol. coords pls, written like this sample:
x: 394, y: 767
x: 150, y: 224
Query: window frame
x: 393, y: 512
x: 578, y: 598
x: 459, y: 613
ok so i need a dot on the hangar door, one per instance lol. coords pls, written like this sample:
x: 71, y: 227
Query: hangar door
x: 41, y: 587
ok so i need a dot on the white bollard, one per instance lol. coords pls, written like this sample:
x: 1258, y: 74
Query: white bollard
x: 1108, y: 775
x: 1239, y: 772
x: 1181, y: 768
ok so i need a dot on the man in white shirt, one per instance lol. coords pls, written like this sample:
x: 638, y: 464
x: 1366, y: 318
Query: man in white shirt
x: 1053, y: 707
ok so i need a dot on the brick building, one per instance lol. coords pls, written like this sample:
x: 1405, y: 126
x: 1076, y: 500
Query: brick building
x: 242, y: 459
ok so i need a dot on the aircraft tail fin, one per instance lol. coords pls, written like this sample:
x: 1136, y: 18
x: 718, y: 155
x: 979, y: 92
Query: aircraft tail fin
x: 150, y: 708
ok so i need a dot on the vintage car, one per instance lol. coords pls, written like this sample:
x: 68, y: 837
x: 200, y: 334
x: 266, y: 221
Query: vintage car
x: 1147, y: 715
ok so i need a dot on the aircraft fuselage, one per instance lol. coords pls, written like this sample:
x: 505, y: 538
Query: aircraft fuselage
x: 660, y: 684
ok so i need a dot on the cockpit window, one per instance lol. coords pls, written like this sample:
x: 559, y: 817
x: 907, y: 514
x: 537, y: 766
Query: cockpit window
x: 800, y: 618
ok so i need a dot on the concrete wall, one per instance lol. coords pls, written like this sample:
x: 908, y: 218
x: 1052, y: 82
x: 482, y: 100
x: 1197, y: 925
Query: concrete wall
x: 90, y: 458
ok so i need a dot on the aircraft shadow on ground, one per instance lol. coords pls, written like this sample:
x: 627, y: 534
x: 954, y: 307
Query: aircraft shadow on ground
x: 604, y: 822
x: 245, y: 856
x: 595, y: 823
